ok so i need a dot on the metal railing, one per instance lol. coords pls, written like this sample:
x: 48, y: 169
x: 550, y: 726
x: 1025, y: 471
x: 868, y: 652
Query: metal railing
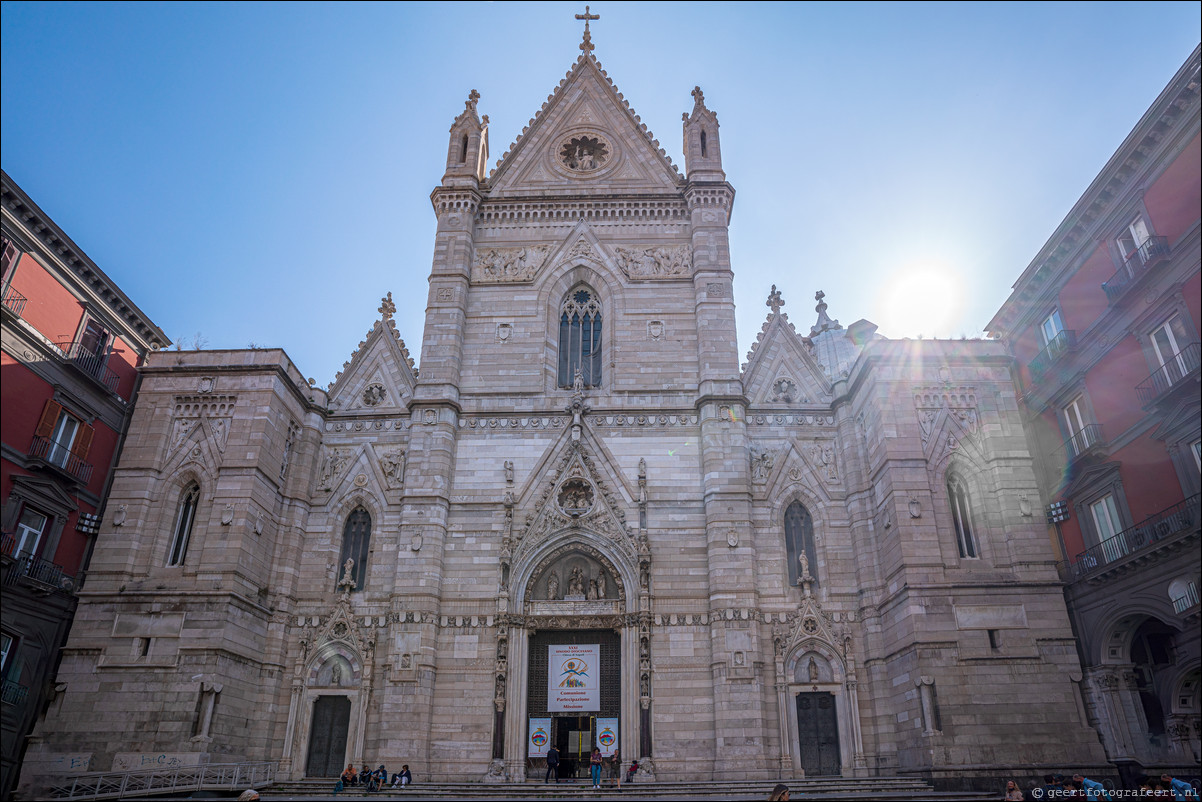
x: 91, y: 363
x: 120, y: 784
x: 14, y: 301
x: 1179, y: 366
x: 1186, y: 600
x: 1056, y: 347
x: 41, y: 572
x: 13, y: 693
x: 1137, y: 261
x: 1153, y: 529
x: 1084, y: 441
x: 60, y: 456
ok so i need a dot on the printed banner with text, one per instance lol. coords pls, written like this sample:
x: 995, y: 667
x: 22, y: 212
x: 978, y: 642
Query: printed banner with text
x: 573, y: 679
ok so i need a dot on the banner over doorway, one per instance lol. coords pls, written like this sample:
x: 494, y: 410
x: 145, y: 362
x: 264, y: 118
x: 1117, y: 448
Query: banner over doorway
x: 573, y: 678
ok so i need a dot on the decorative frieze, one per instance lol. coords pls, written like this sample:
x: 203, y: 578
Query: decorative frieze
x: 509, y: 264
x: 791, y: 420
x: 650, y: 261
x: 365, y: 425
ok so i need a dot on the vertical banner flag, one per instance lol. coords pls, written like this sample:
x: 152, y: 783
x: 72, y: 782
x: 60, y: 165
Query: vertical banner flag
x: 607, y: 736
x: 573, y: 678
x: 540, y: 737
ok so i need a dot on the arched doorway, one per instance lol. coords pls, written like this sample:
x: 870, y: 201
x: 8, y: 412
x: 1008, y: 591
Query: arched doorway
x: 575, y: 613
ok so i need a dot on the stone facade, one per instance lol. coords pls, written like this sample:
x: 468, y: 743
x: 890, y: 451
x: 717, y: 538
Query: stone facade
x: 646, y: 459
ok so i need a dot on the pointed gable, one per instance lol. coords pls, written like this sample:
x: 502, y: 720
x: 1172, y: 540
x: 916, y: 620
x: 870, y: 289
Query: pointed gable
x: 585, y: 138
x: 379, y: 376
x: 780, y: 371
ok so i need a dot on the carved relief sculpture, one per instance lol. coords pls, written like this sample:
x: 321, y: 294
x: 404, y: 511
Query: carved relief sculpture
x: 333, y: 464
x: 509, y: 264
x: 392, y: 463
x: 553, y: 587
x: 654, y: 261
x: 584, y: 154
x: 576, y: 583
x: 761, y: 463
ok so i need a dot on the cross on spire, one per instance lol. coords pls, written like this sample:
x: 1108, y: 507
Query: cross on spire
x: 587, y: 44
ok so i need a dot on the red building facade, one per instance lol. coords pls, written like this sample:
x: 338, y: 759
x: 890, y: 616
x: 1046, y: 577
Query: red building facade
x: 1103, y: 325
x: 72, y: 343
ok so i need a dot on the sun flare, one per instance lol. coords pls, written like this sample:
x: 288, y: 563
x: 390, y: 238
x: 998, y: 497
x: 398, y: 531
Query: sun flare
x: 922, y: 299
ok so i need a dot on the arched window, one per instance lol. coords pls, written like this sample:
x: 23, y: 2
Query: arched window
x: 580, y: 338
x: 185, y: 516
x: 799, y: 539
x: 961, y: 503
x: 356, y: 540
x: 703, y: 143
x: 463, y: 150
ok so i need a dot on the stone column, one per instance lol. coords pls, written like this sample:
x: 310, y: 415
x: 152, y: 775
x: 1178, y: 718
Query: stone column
x: 926, y: 694
x: 516, y: 706
x: 782, y: 702
x: 294, y: 710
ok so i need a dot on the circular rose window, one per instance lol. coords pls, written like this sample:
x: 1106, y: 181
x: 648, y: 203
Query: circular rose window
x: 584, y: 154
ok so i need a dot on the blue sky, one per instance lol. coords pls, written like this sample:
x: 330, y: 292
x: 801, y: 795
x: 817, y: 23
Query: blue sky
x: 261, y: 172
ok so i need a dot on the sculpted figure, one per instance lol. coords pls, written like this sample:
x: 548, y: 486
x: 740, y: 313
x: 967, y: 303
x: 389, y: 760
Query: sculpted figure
x: 553, y: 586
x: 576, y: 582
x: 393, y: 465
x: 812, y: 669
x: 336, y: 674
x: 601, y: 584
x: 592, y: 590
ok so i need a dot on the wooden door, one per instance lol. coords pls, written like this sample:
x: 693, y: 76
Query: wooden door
x: 818, y: 733
x: 327, y: 736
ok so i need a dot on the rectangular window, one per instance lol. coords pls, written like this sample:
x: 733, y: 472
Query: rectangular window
x: 1107, y: 523
x: 1131, y: 239
x: 62, y: 439
x: 11, y: 254
x: 1196, y: 448
x: 1051, y: 327
x: 94, y: 339
x: 30, y: 528
x: 1168, y: 341
x: 1080, y: 439
x: 6, y: 648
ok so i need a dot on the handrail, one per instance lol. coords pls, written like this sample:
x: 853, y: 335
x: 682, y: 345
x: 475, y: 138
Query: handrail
x: 1089, y: 437
x: 60, y: 456
x: 1152, y: 529
x: 43, y: 572
x: 121, y: 784
x: 1180, y: 365
x: 14, y: 301
x: 1135, y: 263
x: 1065, y: 341
x: 91, y: 363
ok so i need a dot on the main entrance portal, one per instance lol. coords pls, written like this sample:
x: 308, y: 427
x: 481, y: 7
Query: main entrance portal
x: 818, y: 733
x: 327, y: 736
x: 573, y: 732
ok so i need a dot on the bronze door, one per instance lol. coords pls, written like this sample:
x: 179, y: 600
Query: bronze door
x: 327, y: 736
x: 818, y: 733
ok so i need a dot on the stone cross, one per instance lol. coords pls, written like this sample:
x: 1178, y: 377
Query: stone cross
x: 387, y: 307
x: 774, y: 300
x: 587, y: 44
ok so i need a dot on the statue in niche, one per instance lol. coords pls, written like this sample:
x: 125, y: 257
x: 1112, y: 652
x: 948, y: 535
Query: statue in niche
x: 592, y: 590
x: 336, y: 674
x: 812, y: 669
x: 508, y: 472
x: 347, y: 582
x: 576, y: 582
x: 602, y: 581
x: 334, y: 462
x: 761, y: 463
x: 553, y: 586
x: 805, y: 564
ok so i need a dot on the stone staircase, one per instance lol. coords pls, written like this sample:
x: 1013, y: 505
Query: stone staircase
x: 828, y: 788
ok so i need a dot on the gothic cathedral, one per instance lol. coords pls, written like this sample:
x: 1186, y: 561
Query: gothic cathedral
x: 828, y: 560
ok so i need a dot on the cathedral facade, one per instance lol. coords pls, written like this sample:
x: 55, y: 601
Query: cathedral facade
x: 829, y: 559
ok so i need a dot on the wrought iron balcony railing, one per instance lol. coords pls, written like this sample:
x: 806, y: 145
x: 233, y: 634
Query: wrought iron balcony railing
x: 44, y: 574
x: 14, y: 301
x: 60, y: 456
x: 1144, y: 535
x: 1059, y: 345
x: 1139, y: 260
x: 91, y: 363
x: 13, y: 693
x: 1186, y: 600
x: 1084, y: 441
x: 1180, y: 366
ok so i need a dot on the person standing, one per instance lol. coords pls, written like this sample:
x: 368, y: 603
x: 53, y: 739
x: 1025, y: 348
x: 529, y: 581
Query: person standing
x: 594, y: 762
x: 552, y: 765
x: 1180, y: 789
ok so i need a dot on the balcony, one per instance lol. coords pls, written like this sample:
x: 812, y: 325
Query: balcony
x: 1176, y: 372
x: 1132, y: 547
x: 58, y: 456
x: 13, y: 693
x: 41, y: 575
x: 1138, y: 262
x: 1084, y: 442
x: 1187, y: 600
x: 14, y: 301
x: 91, y: 364
x: 1057, y: 347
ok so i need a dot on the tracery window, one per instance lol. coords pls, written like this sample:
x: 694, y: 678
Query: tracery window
x: 356, y: 542
x: 960, y: 500
x: 185, y: 516
x: 580, y: 338
x: 799, y: 539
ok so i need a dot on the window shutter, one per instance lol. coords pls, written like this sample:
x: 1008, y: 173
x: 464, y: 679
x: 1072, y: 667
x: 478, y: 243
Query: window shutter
x: 50, y: 415
x: 83, y: 441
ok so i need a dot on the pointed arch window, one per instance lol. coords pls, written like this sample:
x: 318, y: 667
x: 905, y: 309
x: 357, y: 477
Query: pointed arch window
x: 580, y: 338
x: 356, y: 543
x: 185, y: 517
x: 799, y: 539
x: 960, y: 499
